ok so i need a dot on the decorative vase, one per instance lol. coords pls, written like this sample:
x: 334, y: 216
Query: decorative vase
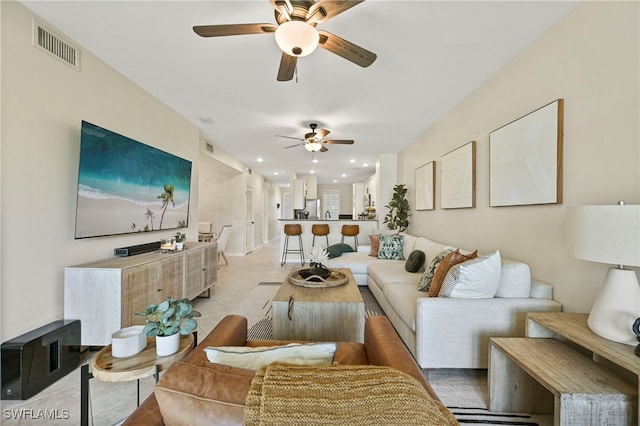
x: 320, y: 271
x: 167, y: 345
x: 179, y: 246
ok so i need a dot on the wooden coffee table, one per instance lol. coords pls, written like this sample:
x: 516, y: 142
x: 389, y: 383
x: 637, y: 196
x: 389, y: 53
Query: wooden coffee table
x: 324, y: 314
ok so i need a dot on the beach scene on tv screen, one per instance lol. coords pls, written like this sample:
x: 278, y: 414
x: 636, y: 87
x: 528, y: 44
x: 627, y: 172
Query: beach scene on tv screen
x: 125, y: 186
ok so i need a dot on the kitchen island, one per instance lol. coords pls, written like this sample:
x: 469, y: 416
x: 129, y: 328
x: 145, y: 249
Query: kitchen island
x: 335, y: 234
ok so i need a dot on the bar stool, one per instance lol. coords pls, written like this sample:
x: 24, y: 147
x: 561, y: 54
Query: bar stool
x: 320, y: 229
x: 351, y: 231
x: 292, y: 230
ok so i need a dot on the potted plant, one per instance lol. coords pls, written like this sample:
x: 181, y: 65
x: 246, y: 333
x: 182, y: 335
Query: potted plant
x: 317, y: 269
x: 167, y: 321
x: 180, y: 239
x: 398, y: 216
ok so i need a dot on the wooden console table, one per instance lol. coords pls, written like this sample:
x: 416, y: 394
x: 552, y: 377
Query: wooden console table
x: 559, y: 355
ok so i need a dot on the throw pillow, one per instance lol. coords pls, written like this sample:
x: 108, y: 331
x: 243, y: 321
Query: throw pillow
x: 255, y: 358
x: 427, y: 277
x: 447, y: 263
x: 475, y: 279
x: 391, y: 247
x: 375, y: 245
x: 341, y: 247
x: 515, y: 279
x: 414, y: 261
x: 333, y: 252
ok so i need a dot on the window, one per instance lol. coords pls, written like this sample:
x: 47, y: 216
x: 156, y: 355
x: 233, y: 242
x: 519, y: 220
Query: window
x: 331, y: 203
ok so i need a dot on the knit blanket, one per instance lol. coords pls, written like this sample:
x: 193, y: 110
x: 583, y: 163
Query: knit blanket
x: 285, y: 394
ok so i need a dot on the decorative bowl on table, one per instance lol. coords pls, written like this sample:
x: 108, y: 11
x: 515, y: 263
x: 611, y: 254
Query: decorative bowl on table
x: 314, y: 274
x: 128, y: 341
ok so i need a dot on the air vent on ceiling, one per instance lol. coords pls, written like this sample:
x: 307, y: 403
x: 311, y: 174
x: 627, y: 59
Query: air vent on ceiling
x: 209, y: 148
x: 56, y: 46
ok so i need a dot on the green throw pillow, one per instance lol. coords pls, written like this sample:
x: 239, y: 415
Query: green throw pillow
x: 427, y: 277
x: 341, y: 247
x: 415, y: 261
x: 333, y: 252
x: 391, y: 247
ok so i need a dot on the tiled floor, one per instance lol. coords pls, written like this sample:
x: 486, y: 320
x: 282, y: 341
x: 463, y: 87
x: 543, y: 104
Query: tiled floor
x: 111, y: 402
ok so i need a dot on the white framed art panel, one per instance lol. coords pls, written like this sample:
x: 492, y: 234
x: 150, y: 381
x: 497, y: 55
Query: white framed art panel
x: 426, y: 186
x: 458, y: 177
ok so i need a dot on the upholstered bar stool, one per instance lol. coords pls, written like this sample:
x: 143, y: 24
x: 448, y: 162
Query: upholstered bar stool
x: 292, y: 230
x: 320, y: 229
x: 351, y: 231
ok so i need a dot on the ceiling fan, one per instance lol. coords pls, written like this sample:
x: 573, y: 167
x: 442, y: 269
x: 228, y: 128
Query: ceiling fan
x: 296, y: 34
x: 314, y: 141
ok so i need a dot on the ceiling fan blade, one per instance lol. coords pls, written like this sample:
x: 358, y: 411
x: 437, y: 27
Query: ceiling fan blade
x: 338, y: 141
x: 349, y: 51
x: 324, y: 149
x: 292, y: 146
x: 289, y: 137
x: 284, y: 7
x: 322, y: 133
x: 233, y: 29
x: 287, y: 67
x: 324, y: 10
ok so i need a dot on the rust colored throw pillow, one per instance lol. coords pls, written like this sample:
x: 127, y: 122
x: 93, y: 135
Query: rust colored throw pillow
x: 375, y: 245
x: 447, y: 263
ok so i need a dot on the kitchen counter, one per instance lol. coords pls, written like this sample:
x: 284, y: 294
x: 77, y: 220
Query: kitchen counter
x: 335, y: 235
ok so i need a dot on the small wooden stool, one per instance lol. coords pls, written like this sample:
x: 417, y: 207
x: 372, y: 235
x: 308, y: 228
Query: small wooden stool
x: 351, y: 231
x: 292, y: 230
x: 320, y: 229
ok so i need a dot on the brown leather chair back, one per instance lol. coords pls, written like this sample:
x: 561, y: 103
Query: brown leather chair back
x: 320, y: 229
x: 350, y: 230
x: 293, y: 229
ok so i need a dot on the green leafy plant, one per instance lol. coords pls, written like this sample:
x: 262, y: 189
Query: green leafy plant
x: 180, y: 237
x: 169, y: 317
x: 398, y: 216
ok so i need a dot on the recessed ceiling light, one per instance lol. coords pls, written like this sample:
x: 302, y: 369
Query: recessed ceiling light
x: 315, y: 160
x: 365, y: 165
x: 335, y: 181
x: 312, y: 171
x: 275, y: 173
x: 352, y: 160
x: 344, y: 175
x: 260, y: 160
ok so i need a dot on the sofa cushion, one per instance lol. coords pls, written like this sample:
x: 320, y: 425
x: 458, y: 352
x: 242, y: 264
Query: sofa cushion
x: 449, y: 261
x: 375, y: 245
x: 402, y: 298
x: 429, y: 272
x: 357, y: 262
x: 257, y: 357
x: 333, y: 252
x: 515, y: 279
x: 475, y: 279
x: 391, y: 271
x: 408, y: 247
x: 391, y: 247
x: 414, y: 261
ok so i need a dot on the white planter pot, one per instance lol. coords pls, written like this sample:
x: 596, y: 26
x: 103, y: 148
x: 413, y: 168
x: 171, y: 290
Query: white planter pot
x: 167, y: 345
x: 179, y: 246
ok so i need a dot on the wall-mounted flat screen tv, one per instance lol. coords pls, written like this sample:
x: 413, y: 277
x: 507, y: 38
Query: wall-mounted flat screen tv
x: 125, y: 186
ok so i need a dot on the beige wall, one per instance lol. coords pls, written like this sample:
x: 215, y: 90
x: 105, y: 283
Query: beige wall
x: 591, y: 60
x: 43, y: 103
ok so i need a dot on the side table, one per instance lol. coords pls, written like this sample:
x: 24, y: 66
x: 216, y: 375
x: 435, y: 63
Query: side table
x: 107, y: 368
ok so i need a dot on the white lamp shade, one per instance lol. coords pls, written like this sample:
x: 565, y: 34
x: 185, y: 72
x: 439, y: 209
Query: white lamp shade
x: 313, y: 146
x: 606, y: 234
x: 297, y: 38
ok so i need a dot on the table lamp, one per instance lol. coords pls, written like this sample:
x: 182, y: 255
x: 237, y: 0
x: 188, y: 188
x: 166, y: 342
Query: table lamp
x: 610, y: 234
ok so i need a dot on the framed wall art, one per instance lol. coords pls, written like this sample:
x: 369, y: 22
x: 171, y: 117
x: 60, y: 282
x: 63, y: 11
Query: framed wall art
x: 426, y: 186
x: 525, y: 159
x: 458, y: 177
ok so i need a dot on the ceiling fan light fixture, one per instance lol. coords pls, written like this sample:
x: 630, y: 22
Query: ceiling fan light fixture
x: 297, y: 38
x: 313, y: 146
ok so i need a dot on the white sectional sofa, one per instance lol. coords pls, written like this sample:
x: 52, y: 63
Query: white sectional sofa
x: 447, y: 332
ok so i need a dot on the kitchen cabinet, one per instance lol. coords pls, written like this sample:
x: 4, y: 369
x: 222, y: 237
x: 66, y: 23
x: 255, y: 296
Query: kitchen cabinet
x: 299, y: 196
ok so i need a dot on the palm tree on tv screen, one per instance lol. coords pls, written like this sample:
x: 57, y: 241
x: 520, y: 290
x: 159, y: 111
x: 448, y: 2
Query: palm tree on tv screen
x: 166, y: 197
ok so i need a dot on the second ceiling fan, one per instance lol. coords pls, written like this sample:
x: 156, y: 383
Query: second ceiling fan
x: 314, y: 141
x: 296, y: 33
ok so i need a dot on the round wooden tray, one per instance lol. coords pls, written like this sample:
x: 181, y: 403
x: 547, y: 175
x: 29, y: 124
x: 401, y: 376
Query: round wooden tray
x: 336, y: 279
